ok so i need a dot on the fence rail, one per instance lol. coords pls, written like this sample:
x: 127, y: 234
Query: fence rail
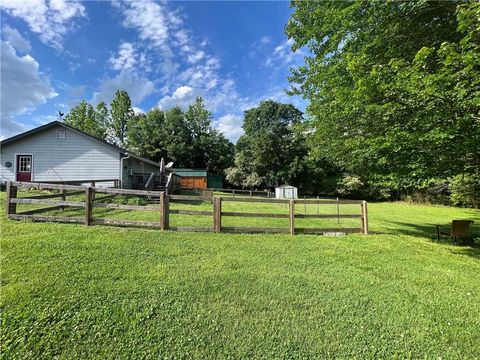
x: 91, y: 202
x: 234, y: 192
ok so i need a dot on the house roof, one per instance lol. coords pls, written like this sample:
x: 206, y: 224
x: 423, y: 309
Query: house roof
x: 69, y: 127
x: 190, y: 172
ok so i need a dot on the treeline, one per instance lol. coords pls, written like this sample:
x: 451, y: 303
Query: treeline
x: 273, y: 150
x: 394, y: 95
x: 394, y: 109
x: 185, y: 137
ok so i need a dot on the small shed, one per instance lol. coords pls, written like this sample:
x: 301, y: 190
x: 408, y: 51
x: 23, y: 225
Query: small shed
x: 192, y: 178
x: 286, y: 192
x: 198, y: 179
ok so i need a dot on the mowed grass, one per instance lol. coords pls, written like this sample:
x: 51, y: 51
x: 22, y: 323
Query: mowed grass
x: 68, y: 291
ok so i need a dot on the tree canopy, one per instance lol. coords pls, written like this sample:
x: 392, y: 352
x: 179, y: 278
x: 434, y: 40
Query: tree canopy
x: 394, y: 87
x: 122, y: 113
x: 271, y: 152
x: 185, y: 137
x: 85, y: 118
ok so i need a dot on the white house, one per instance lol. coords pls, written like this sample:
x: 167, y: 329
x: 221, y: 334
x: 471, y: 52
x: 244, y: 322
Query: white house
x: 286, y: 192
x: 57, y: 152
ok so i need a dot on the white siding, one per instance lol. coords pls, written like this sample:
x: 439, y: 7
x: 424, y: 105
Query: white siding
x: 76, y: 157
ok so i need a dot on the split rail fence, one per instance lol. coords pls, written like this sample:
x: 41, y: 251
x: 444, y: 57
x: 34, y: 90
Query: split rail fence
x: 94, y: 197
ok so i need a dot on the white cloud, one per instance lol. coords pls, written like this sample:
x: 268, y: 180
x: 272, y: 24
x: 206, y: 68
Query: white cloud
x: 283, y: 54
x: 153, y: 23
x: 49, y: 20
x: 196, y: 57
x: 186, y: 67
x: 182, y: 96
x: 138, y: 110
x: 23, y: 87
x: 137, y: 87
x: 14, y: 38
x: 266, y: 40
x: 128, y: 58
x: 231, y: 126
x: 162, y: 30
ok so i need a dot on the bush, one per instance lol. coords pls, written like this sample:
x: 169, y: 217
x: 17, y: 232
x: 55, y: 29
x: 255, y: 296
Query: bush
x: 353, y: 186
x: 465, y: 191
x: 432, y: 192
x: 349, y: 185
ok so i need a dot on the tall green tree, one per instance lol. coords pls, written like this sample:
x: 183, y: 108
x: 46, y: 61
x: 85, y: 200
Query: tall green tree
x: 178, y: 140
x: 209, y: 148
x: 102, y: 117
x: 84, y: 117
x: 121, y: 114
x: 272, y: 150
x: 393, y: 86
x: 146, y: 134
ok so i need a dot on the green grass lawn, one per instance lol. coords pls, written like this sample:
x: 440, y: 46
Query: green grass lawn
x: 68, y: 291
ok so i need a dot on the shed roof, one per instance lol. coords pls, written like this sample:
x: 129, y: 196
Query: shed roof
x: 66, y: 126
x: 191, y: 172
x: 285, y: 186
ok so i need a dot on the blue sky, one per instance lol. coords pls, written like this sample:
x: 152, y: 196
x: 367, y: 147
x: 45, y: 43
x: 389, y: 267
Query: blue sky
x: 55, y: 53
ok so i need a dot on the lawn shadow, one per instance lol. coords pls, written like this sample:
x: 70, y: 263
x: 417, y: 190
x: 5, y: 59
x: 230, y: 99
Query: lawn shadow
x: 469, y: 246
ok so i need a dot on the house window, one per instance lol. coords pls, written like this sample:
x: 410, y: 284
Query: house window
x: 25, y: 163
x: 61, y: 134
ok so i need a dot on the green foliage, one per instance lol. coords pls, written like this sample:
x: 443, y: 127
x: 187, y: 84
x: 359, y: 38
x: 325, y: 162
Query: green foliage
x: 354, y: 187
x: 121, y: 114
x: 465, y: 191
x: 349, y: 185
x: 146, y: 134
x: 394, y: 87
x: 186, y: 138
x: 102, y: 123
x: 102, y: 118
x: 209, y: 148
x: 85, y: 118
x: 272, y: 150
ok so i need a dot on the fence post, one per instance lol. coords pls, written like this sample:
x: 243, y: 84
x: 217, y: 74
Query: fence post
x: 292, y: 217
x: 364, y: 217
x: 93, y: 193
x: 63, y: 196
x: 338, y: 212
x: 11, y: 194
x: 165, y: 211
x: 217, y: 214
x: 88, y: 205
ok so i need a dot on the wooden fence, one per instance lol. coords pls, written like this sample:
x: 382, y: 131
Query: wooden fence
x: 234, y: 192
x: 93, y: 198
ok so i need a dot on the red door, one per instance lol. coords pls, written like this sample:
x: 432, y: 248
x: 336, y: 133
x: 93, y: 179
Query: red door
x: 24, y: 168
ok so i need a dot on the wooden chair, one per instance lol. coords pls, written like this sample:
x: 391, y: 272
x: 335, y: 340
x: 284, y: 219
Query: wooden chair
x: 458, y: 228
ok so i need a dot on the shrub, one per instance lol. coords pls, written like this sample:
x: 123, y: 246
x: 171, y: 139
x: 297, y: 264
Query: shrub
x: 465, y: 191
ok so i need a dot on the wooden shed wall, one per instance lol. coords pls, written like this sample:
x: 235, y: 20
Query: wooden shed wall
x: 194, y: 182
